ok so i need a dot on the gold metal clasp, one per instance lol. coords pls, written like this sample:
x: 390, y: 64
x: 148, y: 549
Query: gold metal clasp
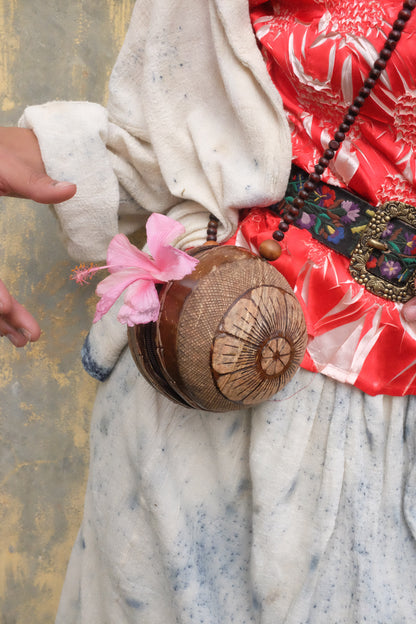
x: 376, y: 244
x: 370, y: 243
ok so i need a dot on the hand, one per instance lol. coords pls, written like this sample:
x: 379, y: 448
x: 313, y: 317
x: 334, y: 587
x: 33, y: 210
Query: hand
x: 15, y: 321
x: 22, y: 172
x: 409, y: 310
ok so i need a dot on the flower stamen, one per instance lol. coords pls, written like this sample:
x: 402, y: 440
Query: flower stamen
x: 82, y: 274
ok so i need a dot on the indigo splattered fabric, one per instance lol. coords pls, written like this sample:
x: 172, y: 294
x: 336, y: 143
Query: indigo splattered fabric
x: 300, y: 511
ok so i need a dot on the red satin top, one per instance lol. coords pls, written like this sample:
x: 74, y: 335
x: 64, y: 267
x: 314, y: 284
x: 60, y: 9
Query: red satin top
x: 318, y: 52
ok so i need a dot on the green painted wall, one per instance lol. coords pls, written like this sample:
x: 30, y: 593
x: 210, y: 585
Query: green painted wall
x: 49, y: 49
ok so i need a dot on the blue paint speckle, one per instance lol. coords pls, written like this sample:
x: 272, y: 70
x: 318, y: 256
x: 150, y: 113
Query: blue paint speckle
x: 291, y: 489
x: 244, y: 486
x: 234, y: 427
x: 370, y: 438
x: 134, y: 502
x: 314, y: 562
x: 256, y: 603
x: 134, y: 604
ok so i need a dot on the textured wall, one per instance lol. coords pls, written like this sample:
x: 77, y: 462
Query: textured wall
x: 49, y: 49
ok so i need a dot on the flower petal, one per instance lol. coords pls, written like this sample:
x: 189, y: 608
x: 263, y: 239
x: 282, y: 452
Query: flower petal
x: 173, y: 264
x: 111, y: 288
x: 141, y: 304
x: 121, y: 254
x: 161, y: 231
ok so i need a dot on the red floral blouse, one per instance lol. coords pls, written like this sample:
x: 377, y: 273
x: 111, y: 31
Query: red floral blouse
x: 318, y: 52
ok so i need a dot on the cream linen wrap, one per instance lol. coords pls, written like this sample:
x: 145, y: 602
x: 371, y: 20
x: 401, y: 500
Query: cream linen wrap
x: 302, y: 510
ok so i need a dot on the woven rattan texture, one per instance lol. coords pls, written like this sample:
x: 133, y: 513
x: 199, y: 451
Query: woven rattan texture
x: 205, y: 310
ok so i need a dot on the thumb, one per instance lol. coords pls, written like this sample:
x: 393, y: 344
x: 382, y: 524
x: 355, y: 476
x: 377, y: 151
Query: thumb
x: 17, y: 179
x: 409, y: 310
x: 44, y: 190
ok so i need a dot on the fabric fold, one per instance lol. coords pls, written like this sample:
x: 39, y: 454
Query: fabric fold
x: 177, y: 134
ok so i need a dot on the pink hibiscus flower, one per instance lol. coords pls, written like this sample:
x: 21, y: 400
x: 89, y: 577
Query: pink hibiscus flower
x: 135, y: 272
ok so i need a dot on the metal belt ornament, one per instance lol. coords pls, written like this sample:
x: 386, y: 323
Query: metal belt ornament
x: 380, y: 242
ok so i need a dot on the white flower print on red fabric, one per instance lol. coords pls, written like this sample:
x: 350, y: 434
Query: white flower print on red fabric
x: 319, y: 65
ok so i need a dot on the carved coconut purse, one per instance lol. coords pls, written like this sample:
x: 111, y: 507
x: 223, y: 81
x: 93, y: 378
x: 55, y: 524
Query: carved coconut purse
x: 229, y: 335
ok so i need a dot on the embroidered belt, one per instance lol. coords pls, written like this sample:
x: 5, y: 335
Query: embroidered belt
x: 380, y: 242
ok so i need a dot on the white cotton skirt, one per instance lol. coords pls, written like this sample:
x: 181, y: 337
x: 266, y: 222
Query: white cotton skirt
x: 302, y: 510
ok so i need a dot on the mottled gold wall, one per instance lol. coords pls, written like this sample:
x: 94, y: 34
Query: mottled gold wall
x: 48, y: 49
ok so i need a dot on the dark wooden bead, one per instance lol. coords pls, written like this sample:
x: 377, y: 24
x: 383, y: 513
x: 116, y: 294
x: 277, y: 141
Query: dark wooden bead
x: 303, y: 194
x: 349, y: 119
x: 288, y: 218
x: 385, y: 54
x: 391, y: 45
x: 293, y: 210
x: 369, y: 83
x: 344, y: 127
x: 319, y: 169
x: 359, y: 100
x: 324, y: 161
x: 374, y: 73
x: 354, y: 110
x: 315, y: 178
x: 339, y: 136
x: 283, y: 227
x: 278, y: 235
x: 212, y: 228
x: 329, y: 154
x: 309, y: 185
x: 380, y: 64
x: 399, y: 24
x: 404, y: 14
x: 394, y: 36
x: 299, y: 202
x: 409, y: 4
x: 270, y: 250
x: 333, y: 145
x: 364, y: 92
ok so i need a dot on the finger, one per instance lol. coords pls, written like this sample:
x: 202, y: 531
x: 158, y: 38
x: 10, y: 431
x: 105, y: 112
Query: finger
x: 22, y: 322
x: 5, y: 299
x: 18, y: 337
x: 44, y: 190
x: 409, y: 310
x: 20, y: 180
x: 15, y: 321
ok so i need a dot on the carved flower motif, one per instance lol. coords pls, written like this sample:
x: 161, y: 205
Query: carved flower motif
x: 260, y: 344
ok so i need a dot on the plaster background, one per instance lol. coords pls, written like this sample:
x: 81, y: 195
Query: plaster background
x: 49, y: 49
